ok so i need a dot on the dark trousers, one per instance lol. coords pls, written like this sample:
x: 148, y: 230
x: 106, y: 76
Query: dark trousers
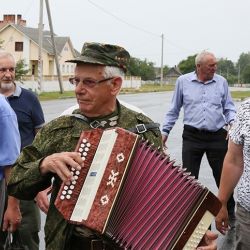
x: 82, y: 243
x: 29, y: 227
x: 196, y: 143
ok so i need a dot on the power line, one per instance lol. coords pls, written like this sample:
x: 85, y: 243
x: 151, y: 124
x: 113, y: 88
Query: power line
x: 123, y: 21
x: 138, y: 28
x: 179, y: 47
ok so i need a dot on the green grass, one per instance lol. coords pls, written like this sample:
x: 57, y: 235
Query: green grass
x: 144, y: 88
x: 55, y: 95
x: 240, y: 94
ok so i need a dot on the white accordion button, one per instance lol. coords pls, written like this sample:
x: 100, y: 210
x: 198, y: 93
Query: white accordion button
x: 80, y: 149
x: 84, y: 140
x: 83, y: 158
x: 82, y: 145
x: 88, y: 145
x: 62, y: 197
x: 77, y: 172
x: 86, y: 149
x: 65, y: 187
x: 68, y: 196
x: 64, y: 192
x: 70, y: 192
x: 72, y: 187
x: 73, y: 182
x: 84, y: 153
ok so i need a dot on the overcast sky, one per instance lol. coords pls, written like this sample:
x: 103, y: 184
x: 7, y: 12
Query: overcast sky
x: 188, y: 26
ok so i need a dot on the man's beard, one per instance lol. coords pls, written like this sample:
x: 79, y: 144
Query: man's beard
x: 7, y: 86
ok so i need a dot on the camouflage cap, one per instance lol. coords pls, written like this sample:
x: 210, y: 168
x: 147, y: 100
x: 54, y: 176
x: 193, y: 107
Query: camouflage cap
x: 103, y: 54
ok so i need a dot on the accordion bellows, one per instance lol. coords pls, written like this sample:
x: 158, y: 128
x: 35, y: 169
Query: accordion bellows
x: 131, y: 193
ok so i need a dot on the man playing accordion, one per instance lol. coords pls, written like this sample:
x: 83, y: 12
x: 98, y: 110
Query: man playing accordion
x: 99, y: 74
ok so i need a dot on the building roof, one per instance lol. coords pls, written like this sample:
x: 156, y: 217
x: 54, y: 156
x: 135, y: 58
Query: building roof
x: 33, y: 34
x: 173, y: 72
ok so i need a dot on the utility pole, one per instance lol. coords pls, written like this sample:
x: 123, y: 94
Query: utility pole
x: 54, y: 47
x: 40, y: 41
x: 162, y: 39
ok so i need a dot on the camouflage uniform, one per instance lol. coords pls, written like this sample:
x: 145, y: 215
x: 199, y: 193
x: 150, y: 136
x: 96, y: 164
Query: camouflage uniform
x: 60, y: 135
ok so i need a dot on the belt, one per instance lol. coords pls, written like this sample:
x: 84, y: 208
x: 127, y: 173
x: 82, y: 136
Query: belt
x: 78, y: 242
x: 201, y: 131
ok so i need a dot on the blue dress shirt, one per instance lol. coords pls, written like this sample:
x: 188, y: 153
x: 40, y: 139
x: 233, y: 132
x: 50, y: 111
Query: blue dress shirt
x: 9, y: 136
x: 207, y: 105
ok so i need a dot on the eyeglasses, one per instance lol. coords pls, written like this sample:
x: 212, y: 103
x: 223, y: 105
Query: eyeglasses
x: 4, y: 70
x: 90, y: 83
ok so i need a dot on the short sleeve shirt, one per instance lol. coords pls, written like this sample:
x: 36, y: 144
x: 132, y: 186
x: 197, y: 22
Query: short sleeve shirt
x: 240, y: 134
x: 29, y: 114
x: 9, y: 136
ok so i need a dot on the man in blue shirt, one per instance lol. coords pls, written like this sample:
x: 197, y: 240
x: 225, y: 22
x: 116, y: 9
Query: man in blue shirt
x: 9, y: 151
x: 30, y: 119
x: 208, y: 108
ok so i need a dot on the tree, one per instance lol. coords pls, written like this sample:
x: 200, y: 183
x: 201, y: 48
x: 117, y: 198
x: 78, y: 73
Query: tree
x: 21, y: 69
x: 243, y: 67
x: 187, y: 65
x: 246, y: 74
x: 227, y: 69
x: 165, y: 70
x: 134, y: 66
x: 144, y: 69
x: 147, y: 71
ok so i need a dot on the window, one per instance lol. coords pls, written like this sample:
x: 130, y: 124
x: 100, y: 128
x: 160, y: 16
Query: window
x: 18, y: 46
x: 33, y: 69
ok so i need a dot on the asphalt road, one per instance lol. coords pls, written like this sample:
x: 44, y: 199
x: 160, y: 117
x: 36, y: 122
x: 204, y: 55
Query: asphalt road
x: 154, y: 105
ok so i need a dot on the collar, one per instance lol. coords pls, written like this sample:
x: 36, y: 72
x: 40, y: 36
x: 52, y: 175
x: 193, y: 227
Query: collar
x: 194, y: 78
x: 107, y: 121
x: 17, y: 92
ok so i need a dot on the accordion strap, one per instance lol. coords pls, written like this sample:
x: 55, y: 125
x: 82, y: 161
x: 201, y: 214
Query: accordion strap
x: 81, y: 117
x: 138, y: 129
x: 142, y: 128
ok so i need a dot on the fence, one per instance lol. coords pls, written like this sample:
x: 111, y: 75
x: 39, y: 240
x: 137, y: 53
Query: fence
x: 51, y: 84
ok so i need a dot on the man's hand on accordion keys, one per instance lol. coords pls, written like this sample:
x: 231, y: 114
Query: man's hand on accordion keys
x: 60, y: 164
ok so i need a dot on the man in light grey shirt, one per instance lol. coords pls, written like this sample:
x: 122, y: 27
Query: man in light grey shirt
x: 208, y: 107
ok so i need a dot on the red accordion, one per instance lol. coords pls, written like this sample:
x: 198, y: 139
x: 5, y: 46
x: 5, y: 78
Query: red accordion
x: 131, y: 193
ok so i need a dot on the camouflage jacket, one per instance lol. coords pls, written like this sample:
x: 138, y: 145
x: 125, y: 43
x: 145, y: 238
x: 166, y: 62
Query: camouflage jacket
x: 60, y: 135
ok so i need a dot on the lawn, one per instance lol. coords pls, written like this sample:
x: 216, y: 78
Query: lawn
x: 239, y: 95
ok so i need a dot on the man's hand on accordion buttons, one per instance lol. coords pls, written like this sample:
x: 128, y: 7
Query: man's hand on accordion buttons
x: 60, y: 164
